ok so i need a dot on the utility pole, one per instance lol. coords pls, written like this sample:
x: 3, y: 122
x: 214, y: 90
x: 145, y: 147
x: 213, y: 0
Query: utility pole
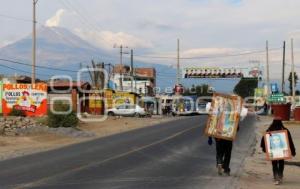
x: 293, y: 70
x: 33, y: 42
x: 109, y: 71
x: 131, y: 69
x: 283, y: 68
x: 121, y: 65
x: 178, y: 66
x: 146, y: 90
x: 268, y: 71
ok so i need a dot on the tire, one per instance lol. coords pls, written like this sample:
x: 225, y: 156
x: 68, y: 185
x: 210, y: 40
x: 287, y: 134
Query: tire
x: 110, y: 113
x: 137, y: 115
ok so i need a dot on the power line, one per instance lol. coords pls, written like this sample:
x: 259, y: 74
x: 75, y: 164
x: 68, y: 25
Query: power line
x: 15, y: 18
x: 208, y: 57
x: 22, y: 70
x: 42, y: 67
x: 83, y: 19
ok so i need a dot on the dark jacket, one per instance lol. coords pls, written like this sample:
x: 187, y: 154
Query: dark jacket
x: 275, y: 127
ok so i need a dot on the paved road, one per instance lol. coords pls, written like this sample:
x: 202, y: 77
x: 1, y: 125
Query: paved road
x: 169, y: 155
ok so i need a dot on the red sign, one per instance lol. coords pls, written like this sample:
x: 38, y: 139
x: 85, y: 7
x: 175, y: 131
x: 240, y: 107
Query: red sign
x: 31, y: 99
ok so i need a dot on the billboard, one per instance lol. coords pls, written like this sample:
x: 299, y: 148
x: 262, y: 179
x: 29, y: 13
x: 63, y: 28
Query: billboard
x: 120, y: 98
x: 1, y: 91
x: 224, y: 116
x: 29, y: 98
x: 218, y: 72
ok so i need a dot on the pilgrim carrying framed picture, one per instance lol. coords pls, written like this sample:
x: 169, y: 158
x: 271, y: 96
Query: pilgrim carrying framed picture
x: 224, y: 116
x: 277, y: 145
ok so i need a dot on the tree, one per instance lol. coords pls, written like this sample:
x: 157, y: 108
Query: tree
x: 97, y: 75
x: 245, y: 87
x: 290, y: 80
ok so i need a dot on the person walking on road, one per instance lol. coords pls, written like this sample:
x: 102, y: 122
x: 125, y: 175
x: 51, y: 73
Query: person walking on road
x: 278, y: 165
x: 223, y: 155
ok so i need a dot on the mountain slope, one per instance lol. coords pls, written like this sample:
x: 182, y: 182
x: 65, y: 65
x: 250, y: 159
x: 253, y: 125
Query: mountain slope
x: 60, y: 48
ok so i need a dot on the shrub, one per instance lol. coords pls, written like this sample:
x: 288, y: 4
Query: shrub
x: 42, y: 120
x: 62, y: 120
x: 17, y: 113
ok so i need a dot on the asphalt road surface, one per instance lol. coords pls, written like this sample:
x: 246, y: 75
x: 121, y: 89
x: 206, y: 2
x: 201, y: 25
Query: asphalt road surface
x: 169, y: 155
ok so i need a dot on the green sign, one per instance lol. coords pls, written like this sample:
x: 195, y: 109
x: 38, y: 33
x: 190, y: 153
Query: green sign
x: 259, y: 96
x: 277, y: 98
x: 259, y: 92
x: 1, y: 91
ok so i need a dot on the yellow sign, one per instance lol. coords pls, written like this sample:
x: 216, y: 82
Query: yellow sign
x: 120, y: 98
x: 29, y: 98
x: 108, y: 95
x: 95, y: 101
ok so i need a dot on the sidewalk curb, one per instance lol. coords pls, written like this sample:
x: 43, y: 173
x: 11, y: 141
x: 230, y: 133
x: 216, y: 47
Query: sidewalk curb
x: 249, y: 153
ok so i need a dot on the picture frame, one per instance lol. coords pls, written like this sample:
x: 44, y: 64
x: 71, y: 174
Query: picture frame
x: 224, y: 115
x: 277, y: 145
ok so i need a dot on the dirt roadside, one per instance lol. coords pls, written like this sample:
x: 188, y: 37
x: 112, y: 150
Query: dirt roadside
x: 258, y: 171
x: 15, y: 146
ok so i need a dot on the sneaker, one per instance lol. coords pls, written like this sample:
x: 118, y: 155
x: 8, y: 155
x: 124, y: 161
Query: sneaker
x: 276, y: 182
x: 220, y: 169
x: 227, y: 173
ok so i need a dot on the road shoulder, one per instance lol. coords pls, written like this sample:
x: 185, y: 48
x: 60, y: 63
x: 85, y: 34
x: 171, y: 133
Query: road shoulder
x: 258, y: 171
x: 16, y: 146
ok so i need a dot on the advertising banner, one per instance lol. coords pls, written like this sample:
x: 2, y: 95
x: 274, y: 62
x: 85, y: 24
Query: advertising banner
x: 121, y: 98
x: 1, y: 92
x: 31, y: 99
x: 224, y: 116
x: 218, y: 72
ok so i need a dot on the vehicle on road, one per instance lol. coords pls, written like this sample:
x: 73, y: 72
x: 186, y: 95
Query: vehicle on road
x: 127, y: 110
x: 203, y: 107
x: 184, y: 105
x: 190, y: 105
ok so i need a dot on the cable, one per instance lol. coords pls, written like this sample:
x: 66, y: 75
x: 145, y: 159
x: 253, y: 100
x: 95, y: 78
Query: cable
x: 83, y: 19
x: 207, y: 57
x: 22, y: 70
x: 15, y: 18
x: 42, y: 67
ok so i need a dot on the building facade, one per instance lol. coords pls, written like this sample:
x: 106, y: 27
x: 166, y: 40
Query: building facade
x: 139, y: 80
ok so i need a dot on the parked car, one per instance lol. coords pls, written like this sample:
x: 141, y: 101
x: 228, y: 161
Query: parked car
x: 127, y: 110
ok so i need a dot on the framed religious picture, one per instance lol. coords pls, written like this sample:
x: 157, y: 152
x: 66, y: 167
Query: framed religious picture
x: 277, y: 145
x: 224, y: 115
